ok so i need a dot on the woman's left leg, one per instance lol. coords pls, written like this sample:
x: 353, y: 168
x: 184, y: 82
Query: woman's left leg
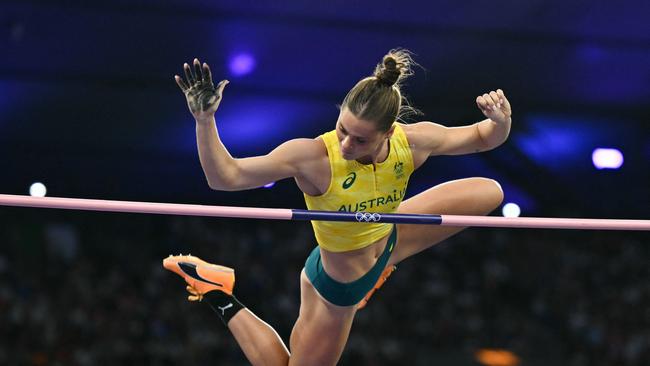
x: 470, y: 196
x: 322, y: 329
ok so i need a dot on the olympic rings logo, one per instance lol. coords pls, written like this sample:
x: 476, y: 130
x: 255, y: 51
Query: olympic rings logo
x: 367, y: 216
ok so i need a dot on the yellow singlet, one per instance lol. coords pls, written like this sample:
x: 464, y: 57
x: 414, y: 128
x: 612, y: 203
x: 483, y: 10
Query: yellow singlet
x: 361, y: 187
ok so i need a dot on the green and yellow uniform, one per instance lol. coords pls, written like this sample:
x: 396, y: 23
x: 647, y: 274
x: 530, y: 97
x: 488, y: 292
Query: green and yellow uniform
x: 355, y: 187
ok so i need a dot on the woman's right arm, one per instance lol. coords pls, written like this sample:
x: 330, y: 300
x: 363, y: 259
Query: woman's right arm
x: 223, y: 172
x: 217, y: 163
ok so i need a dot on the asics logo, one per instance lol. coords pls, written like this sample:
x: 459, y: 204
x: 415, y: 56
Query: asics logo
x: 347, y: 183
x: 367, y: 216
x: 224, y: 308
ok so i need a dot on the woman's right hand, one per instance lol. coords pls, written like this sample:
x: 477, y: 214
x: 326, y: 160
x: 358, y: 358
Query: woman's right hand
x: 202, y: 96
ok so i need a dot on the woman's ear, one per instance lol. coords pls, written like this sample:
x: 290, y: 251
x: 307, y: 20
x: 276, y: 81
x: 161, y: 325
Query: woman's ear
x: 390, y: 132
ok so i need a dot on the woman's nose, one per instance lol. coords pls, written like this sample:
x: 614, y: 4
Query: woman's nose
x: 346, y: 142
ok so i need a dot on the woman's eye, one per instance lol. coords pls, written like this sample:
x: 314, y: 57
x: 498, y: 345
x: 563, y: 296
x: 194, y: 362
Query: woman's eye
x: 361, y: 141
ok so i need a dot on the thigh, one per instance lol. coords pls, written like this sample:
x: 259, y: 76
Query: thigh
x: 470, y: 196
x: 321, y: 331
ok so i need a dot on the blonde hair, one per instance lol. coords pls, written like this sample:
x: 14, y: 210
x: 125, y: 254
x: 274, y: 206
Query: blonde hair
x: 378, y: 98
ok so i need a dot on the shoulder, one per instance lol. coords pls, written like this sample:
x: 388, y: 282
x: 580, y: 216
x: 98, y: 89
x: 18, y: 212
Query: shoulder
x: 303, y: 149
x: 413, y: 130
x: 423, y: 133
x: 310, y: 144
x: 312, y: 163
x: 423, y: 138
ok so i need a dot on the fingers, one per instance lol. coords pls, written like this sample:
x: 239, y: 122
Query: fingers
x: 198, y: 73
x: 495, y: 99
x: 504, y: 100
x: 485, y: 102
x: 222, y: 84
x: 188, y: 74
x: 193, y: 76
x: 492, y: 100
x: 181, y: 83
x: 207, y: 74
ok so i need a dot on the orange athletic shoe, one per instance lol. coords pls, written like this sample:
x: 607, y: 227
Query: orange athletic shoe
x: 382, y: 278
x: 201, y: 276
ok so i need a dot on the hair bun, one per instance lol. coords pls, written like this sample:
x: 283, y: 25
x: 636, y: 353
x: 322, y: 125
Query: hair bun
x: 395, y: 66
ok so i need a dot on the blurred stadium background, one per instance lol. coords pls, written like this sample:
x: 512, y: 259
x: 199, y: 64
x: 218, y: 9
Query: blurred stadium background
x: 88, y: 107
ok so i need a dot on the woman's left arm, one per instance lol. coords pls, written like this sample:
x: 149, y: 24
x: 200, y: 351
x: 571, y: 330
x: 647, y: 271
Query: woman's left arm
x: 496, y: 128
x: 428, y: 139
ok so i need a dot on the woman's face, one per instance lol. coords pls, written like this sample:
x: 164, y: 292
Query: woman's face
x: 359, y: 139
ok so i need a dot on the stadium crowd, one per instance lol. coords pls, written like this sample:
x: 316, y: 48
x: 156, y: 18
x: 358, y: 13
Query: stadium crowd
x: 89, y: 289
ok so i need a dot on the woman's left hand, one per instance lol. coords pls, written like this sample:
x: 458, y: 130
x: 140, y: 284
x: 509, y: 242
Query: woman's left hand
x: 495, y: 106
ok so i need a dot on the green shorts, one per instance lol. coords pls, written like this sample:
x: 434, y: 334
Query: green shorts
x: 351, y: 293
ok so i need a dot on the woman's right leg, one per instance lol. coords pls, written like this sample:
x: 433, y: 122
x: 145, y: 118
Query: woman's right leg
x: 214, y: 285
x: 259, y: 341
x: 322, y: 329
x: 318, y: 337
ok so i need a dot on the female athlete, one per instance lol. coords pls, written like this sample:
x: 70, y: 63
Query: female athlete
x: 364, y: 165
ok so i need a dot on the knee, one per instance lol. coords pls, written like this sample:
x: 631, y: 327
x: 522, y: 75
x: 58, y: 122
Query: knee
x: 497, y: 192
x: 492, y: 191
